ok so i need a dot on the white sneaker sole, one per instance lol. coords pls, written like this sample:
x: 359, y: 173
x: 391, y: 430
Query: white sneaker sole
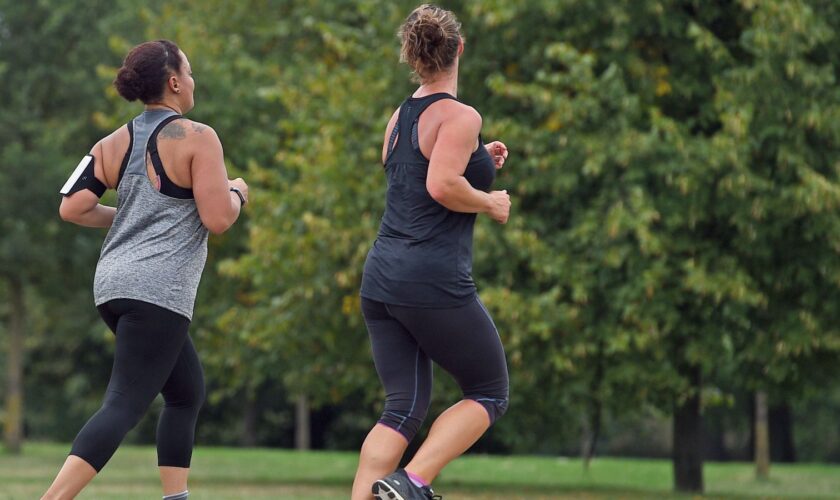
x: 383, y: 491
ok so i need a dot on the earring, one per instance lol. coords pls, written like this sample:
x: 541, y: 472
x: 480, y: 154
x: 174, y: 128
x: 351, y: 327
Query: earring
x: 177, y: 91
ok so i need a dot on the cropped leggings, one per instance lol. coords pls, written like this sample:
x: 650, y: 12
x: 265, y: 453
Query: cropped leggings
x: 154, y: 354
x: 462, y: 340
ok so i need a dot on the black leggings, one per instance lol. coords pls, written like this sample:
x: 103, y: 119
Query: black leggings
x: 154, y: 354
x: 463, y: 340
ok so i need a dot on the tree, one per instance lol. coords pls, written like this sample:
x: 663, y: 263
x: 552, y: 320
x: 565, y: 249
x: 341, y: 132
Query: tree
x: 49, y: 52
x: 781, y: 150
x: 622, y: 235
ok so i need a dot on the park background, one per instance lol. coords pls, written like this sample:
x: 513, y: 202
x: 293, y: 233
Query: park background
x: 667, y: 286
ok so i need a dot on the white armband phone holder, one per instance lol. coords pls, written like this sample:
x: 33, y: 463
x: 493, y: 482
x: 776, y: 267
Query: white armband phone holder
x: 83, y: 178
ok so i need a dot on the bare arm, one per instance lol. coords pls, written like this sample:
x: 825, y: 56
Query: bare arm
x: 218, y: 207
x: 83, y: 207
x: 445, y: 181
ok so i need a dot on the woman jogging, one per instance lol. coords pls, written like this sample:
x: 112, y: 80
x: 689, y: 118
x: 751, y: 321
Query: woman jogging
x: 172, y: 188
x: 418, y: 297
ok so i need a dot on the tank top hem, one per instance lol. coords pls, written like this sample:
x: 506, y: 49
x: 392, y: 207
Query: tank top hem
x: 104, y: 299
x: 450, y: 304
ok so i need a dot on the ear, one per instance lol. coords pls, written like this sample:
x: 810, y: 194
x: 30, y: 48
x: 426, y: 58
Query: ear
x: 174, y: 84
x: 461, y: 46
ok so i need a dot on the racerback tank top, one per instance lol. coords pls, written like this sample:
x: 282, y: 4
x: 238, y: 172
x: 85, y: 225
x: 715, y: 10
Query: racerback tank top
x: 422, y: 256
x: 157, y: 246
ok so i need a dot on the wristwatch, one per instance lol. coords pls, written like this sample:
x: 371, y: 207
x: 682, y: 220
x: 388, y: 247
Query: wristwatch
x: 239, y: 194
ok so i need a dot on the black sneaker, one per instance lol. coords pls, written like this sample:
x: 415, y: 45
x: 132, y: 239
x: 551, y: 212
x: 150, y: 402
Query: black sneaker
x: 398, y: 486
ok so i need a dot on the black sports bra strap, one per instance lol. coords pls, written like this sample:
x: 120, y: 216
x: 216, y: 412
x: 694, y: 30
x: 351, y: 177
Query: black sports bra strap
x: 167, y: 187
x: 152, y: 146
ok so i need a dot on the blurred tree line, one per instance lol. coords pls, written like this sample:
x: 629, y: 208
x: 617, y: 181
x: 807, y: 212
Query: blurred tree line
x: 672, y: 254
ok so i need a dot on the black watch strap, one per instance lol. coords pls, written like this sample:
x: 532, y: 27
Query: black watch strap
x: 239, y: 194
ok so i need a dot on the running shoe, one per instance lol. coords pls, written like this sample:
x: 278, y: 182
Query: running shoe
x: 398, y: 486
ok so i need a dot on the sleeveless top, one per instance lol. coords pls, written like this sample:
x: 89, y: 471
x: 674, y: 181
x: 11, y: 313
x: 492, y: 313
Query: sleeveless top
x: 422, y: 256
x: 157, y: 246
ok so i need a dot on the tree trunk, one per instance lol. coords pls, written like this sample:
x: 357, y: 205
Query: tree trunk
x: 13, y: 429
x: 249, y: 422
x: 585, y: 440
x: 762, y: 437
x: 302, y: 433
x: 688, y: 438
x: 591, y: 432
x: 592, y: 419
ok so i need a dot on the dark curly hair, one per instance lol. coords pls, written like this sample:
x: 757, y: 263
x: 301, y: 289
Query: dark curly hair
x: 145, y: 70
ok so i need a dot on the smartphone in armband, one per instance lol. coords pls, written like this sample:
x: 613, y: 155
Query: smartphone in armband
x: 83, y: 178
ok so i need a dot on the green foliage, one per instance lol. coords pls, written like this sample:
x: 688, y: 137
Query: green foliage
x: 669, y: 211
x: 673, y: 170
x: 49, y: 52
x: 782, y: 184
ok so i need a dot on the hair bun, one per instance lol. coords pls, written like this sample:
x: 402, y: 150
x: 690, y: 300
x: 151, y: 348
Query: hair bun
x: 430, y: 31
x: 128, y: 84
x: 430, y: 40
x: 145, y: 70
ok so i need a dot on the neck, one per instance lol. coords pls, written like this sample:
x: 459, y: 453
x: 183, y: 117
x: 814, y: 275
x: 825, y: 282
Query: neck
x: 164, y: 105
x: 444, y: 82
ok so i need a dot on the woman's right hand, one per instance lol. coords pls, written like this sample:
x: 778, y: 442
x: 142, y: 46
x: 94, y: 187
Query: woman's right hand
x: 239, y: 184
x: 499, y: 209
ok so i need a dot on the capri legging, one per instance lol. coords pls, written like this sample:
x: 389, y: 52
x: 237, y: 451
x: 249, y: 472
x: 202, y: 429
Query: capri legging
x: 154, y: 354
x: 462, y: 340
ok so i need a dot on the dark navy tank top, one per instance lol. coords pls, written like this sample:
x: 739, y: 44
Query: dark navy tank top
x: 422, y: 256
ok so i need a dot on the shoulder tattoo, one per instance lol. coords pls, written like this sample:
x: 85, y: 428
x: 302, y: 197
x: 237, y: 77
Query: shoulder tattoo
x: 173, y: 130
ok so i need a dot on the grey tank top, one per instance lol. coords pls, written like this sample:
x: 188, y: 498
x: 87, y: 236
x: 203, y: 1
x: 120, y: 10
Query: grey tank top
x: 157, y: 246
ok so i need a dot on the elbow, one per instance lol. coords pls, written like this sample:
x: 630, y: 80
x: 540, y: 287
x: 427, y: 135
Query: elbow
x: 217, y: 226
x: 66, y: 213
x: 219, y: 221
x: 438, y: 191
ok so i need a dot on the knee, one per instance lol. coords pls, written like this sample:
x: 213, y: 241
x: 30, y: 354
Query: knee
x: 195, y: 398
x: 494, y: 399
x: 404, y: 416
x: 198, y: 398
x: 496, y: 407
x: 192, y: 398
x: 200, y: 395
x: 121, y: 412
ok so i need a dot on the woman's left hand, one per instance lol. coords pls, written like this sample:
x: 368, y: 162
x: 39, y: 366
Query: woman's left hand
x: 498, y: 151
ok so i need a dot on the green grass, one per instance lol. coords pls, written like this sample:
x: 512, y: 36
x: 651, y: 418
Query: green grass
x: 229, y: 473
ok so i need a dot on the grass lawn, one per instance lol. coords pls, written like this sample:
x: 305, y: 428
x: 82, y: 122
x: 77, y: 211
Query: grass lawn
x: 229, y: 473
